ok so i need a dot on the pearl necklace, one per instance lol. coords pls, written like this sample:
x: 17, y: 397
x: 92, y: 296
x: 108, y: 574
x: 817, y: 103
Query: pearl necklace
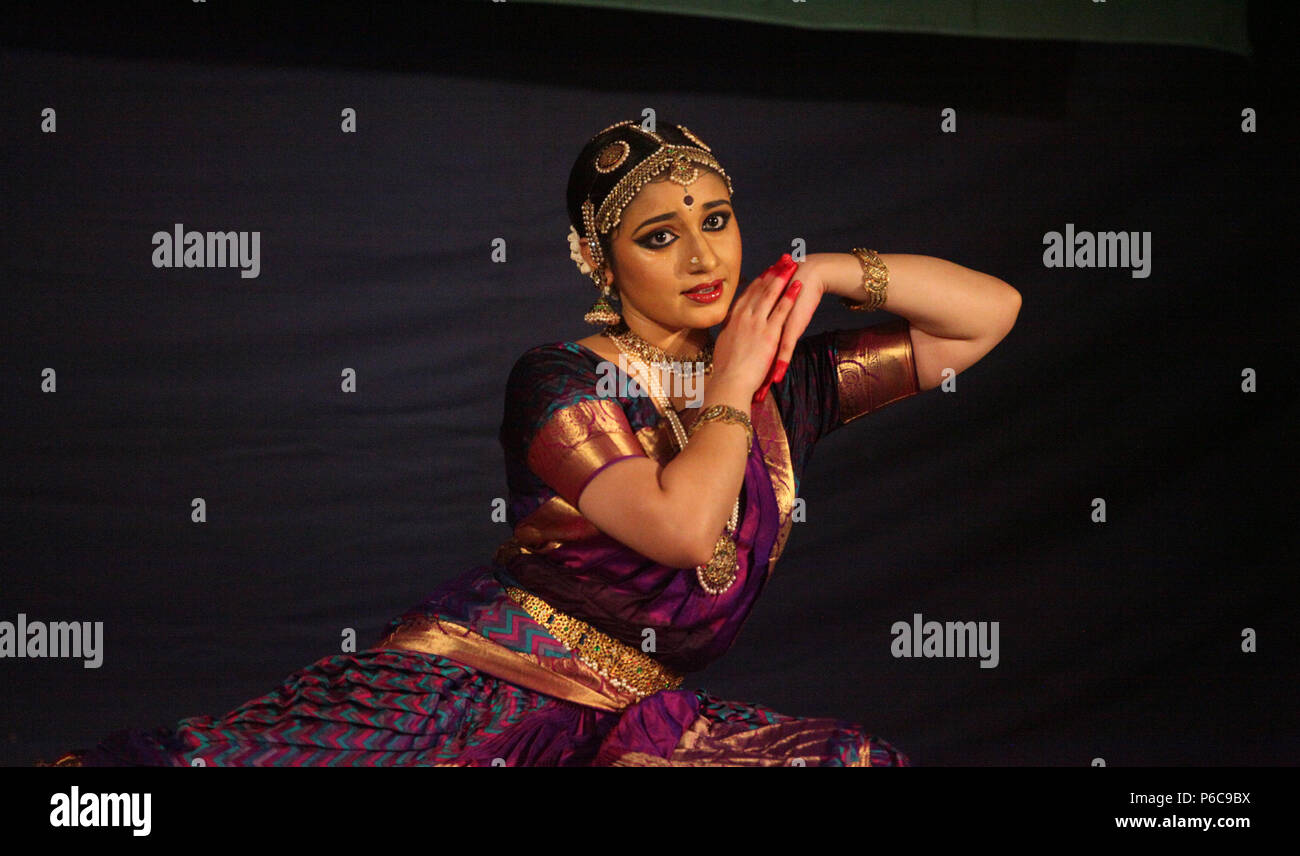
x: 719, y: 573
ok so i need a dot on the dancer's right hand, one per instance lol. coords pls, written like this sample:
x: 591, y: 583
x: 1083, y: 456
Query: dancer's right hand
x: 747, y: 345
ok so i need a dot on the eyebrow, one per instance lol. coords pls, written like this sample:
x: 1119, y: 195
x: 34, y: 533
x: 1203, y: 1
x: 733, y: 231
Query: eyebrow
x: 671, y: 214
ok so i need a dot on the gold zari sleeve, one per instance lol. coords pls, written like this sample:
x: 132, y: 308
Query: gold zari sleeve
x: 579, y: 441
x: 874, y: 367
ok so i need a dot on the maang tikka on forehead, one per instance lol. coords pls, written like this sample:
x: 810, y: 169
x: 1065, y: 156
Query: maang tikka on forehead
x: 682, y: 160
x: 640, y: 156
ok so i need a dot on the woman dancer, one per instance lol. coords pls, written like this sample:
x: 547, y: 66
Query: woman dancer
x: 652, y: 474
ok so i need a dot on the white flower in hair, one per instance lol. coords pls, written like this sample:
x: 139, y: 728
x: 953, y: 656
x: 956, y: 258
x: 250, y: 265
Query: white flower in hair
x: 575, y: 251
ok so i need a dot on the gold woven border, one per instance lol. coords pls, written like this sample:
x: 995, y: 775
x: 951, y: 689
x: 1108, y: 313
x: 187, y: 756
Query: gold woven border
x: 578, y: 440
x: 769, y: 432
x: 563, y: 677
x: 875, y: 366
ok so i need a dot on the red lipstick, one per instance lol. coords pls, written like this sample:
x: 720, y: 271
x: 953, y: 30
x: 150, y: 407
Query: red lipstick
x: 705, y: 292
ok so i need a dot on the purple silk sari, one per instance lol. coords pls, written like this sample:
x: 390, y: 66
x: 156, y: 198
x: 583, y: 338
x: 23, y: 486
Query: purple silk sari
x: 470, y: 677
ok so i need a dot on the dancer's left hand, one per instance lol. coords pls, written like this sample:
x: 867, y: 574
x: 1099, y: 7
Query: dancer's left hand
x: 810, y: 296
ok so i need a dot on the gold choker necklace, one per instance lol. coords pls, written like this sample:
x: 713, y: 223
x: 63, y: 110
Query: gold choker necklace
x: 629, y: 341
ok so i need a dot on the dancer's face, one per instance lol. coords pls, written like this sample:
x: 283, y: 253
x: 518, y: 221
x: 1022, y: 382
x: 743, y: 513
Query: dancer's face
x: 652, y: 265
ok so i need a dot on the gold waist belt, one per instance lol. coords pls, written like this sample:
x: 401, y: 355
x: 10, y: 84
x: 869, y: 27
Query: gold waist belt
x: 624, y: 666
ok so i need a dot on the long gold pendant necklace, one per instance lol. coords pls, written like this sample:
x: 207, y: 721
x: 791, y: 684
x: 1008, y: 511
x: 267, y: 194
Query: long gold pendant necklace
x: 719, y: 573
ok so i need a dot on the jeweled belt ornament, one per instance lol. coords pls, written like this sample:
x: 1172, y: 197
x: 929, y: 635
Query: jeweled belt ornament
x: 624, y: 666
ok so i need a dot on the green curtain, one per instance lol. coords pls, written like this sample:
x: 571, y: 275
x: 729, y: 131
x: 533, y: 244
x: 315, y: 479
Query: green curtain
x: 1217, y: 24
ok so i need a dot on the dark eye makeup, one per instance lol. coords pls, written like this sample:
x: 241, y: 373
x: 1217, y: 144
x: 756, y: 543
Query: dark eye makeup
x: 648, y: 241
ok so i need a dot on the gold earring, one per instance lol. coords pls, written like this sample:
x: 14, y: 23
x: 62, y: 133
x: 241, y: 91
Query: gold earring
x: 602, y: 312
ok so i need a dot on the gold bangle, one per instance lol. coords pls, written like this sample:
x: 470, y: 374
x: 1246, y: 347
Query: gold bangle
x: 875, y: 281
x: 723, y: 413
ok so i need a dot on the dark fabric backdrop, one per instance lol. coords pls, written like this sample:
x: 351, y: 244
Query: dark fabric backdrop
x: 328, y: 510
